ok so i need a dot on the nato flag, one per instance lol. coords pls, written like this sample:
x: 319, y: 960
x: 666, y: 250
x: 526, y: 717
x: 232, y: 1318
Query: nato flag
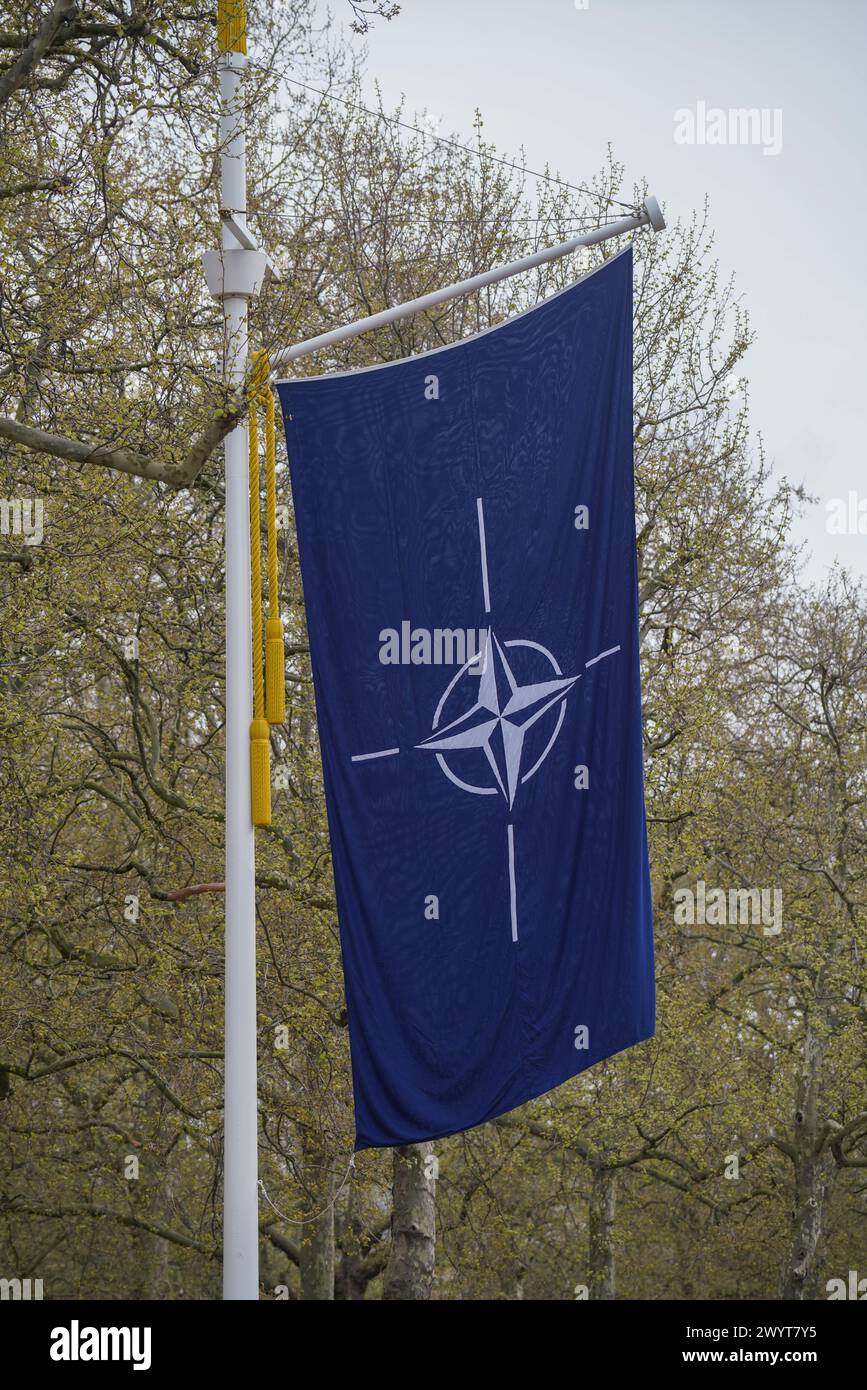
x: 467, y: 539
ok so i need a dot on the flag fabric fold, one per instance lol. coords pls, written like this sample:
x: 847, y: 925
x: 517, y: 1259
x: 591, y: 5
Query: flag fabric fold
x: 467, y: 542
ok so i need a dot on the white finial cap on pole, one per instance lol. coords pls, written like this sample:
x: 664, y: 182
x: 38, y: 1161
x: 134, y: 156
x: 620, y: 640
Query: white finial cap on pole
x: 654, y: 213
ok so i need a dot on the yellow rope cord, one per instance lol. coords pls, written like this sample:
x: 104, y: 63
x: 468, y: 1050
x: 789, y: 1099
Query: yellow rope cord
x: 260, y: 772
x: 269, y: 691
x: 275, y: 659
x: 256, y: 567
x: 271, y: 503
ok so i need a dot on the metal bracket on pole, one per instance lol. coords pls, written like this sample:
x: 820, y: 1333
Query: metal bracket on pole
x: 241, y: 273
x: 245, y: 239
x: 247, y: 242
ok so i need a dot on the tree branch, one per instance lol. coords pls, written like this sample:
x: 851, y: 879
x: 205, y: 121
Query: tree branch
x: 128, y: 460
x: 61, y: 1213
x: 16, y: 75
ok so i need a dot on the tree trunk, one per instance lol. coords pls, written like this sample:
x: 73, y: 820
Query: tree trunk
x: 316, y: 1243
x: 350, y: 1283
x: 813, y: 1187
x: 410, y: 1268
x: 317, y: 1258
x: 814, y: 1180
x: 601, y: 1233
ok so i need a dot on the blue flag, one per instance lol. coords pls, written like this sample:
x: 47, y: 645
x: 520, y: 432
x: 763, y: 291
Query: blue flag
x: 467, y: 542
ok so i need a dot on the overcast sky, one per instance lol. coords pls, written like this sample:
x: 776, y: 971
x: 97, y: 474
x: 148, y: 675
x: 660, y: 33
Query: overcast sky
x: 564, y: 81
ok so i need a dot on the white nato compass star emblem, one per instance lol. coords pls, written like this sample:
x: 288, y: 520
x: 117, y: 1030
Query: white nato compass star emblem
x: 512, y: 724
x: 501, y: 718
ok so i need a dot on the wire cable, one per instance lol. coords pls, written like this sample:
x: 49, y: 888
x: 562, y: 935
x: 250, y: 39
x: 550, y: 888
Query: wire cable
x: 455, y: 144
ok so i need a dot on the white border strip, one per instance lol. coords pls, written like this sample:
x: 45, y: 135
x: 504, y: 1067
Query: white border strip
x: 601, y: 657
x: 513, y: 894
x: 483, y: 551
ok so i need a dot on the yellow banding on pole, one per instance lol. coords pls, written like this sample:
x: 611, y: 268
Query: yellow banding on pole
x: 231, y: 26
x: 260, y: 771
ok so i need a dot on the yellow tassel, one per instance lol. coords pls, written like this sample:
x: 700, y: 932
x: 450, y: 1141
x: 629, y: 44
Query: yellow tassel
x: 269, y: 696
x: 275, y: 672
x: 260, y: 773
x: 275, y: 660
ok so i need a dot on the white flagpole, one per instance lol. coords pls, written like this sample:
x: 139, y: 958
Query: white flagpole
x: 234, y: 274
x: 650, y: 215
